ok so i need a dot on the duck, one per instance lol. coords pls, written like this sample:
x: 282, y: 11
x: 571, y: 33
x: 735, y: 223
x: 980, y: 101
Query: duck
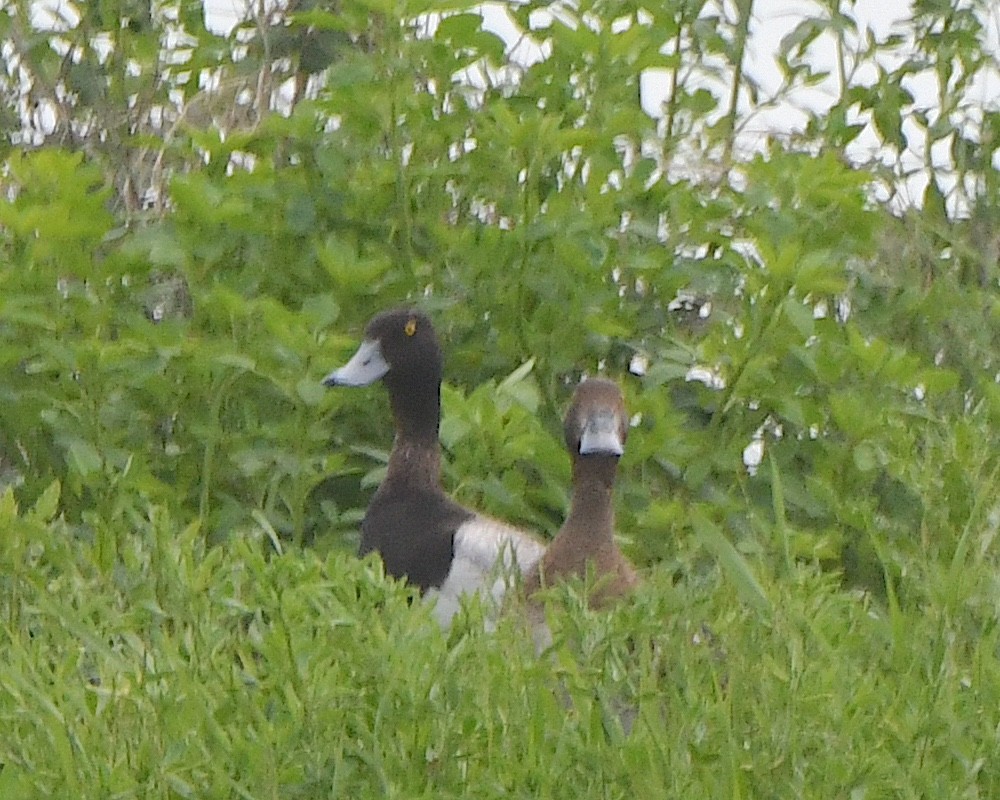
x: 421, y: 534
x: 595, y: 428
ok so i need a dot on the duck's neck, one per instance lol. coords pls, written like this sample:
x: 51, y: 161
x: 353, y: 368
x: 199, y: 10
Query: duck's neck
x: 416, y: 454
x: 591, y: 511
x: 414, y: 463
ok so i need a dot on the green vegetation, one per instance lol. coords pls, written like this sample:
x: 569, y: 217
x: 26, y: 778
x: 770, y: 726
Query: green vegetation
x: 181, y: 261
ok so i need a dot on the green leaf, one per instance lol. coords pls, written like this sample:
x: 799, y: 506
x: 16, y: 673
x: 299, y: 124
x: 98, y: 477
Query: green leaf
x: 732, y: 562
x: 664, y: 372
x: 802, y: 35
x: 321, y: 309
x: 240, y: 362
x: 8, y: 505
x: 518, y: 374
x: 852, y: 414
x: 458, y: 29
x: 311, y: 391
x: 868, y: 456
x: 83, y: 457
x: 519, y: 388
x: 47, y: 505
x: 800, y: 315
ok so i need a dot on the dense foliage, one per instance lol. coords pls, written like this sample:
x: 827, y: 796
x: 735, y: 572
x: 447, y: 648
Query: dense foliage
x: 195, y: 229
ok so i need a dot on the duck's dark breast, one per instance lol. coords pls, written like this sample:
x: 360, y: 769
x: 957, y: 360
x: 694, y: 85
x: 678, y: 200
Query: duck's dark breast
x: 414, y: 534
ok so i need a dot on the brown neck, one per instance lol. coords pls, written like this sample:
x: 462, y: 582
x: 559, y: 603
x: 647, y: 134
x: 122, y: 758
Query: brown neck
x: 414, y: 462
x: 591, y: 511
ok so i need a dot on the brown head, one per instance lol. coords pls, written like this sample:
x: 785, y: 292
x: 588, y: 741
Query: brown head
x: 596, y: 423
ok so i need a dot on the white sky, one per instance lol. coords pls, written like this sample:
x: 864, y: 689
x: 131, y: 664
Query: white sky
x: 772, y: 20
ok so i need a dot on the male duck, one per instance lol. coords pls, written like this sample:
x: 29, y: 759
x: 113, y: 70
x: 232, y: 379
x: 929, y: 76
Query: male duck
x: 422, y: 534
x: 596, y: 427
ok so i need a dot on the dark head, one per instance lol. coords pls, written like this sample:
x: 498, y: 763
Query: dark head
x: 400, y: 348
x: 400, y: 342
x: 596, y: 423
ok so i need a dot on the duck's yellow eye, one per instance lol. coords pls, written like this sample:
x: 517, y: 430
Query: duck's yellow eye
x: 411, y: 327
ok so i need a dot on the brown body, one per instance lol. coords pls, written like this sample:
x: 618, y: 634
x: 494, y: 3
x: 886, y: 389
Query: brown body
x: 596, y: 427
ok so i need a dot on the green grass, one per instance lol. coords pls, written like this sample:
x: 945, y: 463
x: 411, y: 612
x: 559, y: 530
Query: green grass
x: 181, y: 671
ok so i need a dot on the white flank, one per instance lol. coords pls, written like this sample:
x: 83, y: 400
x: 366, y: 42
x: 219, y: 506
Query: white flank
x: 489, y: 557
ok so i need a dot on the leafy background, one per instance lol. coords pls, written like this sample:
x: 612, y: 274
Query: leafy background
x: 197, y: 227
